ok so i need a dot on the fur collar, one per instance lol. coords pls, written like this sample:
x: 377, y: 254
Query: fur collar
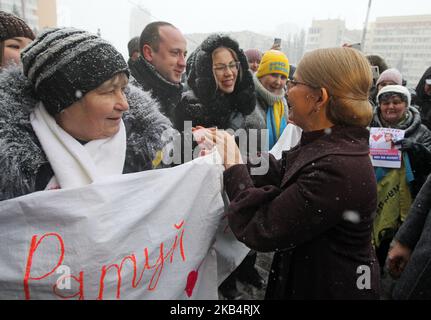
x: 21, y: 155
x: 201, y: 76
x: 222, y: 112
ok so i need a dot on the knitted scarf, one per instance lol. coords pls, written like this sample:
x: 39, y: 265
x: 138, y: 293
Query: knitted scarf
x: 276, y: 122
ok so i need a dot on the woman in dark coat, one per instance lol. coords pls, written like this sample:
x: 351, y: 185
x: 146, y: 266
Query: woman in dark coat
x: 315, y: 207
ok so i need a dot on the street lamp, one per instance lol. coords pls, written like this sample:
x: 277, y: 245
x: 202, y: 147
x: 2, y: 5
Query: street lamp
x: 23, y: 10
x: 364, y: 34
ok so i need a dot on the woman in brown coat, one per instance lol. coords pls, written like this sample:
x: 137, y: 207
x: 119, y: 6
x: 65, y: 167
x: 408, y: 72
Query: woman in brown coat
x: 315, y: 207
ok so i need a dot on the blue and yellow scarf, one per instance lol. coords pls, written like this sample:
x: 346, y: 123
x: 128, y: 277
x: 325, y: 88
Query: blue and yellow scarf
x: 276, y: 122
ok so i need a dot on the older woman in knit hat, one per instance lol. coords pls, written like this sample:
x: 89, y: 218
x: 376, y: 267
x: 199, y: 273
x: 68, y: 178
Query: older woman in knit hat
x: 15, y: 35
x: 66, y: 122
x: 271, y: 111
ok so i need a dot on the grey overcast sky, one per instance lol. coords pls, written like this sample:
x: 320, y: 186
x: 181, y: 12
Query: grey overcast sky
x: 112, y: 16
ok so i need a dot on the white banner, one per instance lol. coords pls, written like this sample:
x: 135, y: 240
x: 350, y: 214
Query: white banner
x: 289, y: 139
x: 151, y: 235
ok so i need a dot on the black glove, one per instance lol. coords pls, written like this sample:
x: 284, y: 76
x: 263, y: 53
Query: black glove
x: 417, y: 148
x: 406, y: 144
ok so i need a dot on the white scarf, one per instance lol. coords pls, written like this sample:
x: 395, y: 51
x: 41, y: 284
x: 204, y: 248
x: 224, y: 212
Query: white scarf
x: 75, y: 165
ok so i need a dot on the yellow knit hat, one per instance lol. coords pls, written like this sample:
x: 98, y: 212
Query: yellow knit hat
x: 273, y: 61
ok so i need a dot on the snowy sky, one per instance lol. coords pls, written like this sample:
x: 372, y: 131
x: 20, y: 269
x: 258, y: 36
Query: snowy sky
x: 112, y: 16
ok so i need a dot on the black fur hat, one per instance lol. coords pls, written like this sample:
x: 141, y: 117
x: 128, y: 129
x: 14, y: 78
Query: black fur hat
x: 201, y: 78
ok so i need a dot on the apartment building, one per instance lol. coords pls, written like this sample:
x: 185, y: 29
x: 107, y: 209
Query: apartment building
x: 330, y: 33
x: 404, y: 42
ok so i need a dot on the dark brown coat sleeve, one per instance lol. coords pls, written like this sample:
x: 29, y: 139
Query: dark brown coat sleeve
x: 268, y: 218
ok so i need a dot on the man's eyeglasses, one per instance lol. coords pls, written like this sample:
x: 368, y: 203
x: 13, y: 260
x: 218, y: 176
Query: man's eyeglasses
x: 292, y: 83
x: 222, y: 68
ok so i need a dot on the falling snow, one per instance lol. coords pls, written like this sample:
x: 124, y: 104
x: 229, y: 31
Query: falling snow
x: 352, y: 216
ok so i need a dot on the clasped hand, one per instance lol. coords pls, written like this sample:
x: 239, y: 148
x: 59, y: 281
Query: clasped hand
x: 213, y: 139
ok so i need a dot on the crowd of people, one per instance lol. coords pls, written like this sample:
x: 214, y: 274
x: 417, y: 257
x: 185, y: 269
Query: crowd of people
x: 322, y: 209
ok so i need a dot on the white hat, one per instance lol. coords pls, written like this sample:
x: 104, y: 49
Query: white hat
x: 396, y: 89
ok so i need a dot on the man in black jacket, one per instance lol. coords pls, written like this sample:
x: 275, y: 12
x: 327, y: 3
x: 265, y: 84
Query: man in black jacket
x: 162, y: 62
